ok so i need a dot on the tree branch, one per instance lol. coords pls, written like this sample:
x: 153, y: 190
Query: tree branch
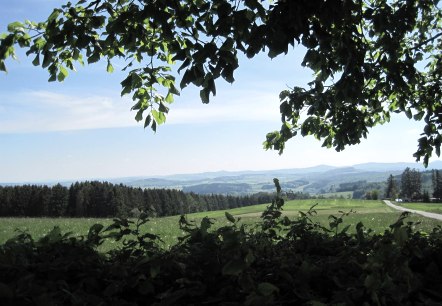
x: 427, y: 41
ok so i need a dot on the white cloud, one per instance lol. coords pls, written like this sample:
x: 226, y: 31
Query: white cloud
x: 43, y: 111
x: 236, y: 106
x: 39, y: 111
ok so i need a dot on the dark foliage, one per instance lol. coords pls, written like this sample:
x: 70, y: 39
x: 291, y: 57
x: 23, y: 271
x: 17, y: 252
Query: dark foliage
x: 411, y: 184
x: 278, y: 262
x: 351, y: 186
x: 103, y: 199
x: 437, y: 184
x: 220, y: 188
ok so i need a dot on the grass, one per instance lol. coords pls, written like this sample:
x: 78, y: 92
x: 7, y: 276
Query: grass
x: 340, y: 194
x: 373, y: 214
x: 291, y: 208
x: 430, y: 207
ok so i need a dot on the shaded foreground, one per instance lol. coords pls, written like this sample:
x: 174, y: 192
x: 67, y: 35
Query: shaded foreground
x: 281, y: 261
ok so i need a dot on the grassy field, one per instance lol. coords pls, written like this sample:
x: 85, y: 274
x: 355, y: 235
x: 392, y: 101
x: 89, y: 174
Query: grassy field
x: 430, y: 207
x: 341, y: 194
x: 373, y: 214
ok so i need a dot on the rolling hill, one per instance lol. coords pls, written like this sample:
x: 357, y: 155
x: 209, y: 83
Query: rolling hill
x: 313, y: 180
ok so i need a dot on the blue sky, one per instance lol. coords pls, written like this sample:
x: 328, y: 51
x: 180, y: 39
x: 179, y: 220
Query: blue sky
x: 82, y: 128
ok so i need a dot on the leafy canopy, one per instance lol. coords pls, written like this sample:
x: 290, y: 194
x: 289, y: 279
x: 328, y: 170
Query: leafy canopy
x: 369, y: 58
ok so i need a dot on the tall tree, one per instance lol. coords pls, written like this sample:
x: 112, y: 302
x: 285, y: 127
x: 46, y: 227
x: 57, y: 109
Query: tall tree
x: 437, y: 184
x: 411, y: 184
x: 391, y: 191
x: 58, y: 202
x: 369, y: 58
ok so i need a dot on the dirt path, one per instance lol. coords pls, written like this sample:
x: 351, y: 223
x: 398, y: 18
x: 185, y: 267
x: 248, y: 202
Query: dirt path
x: 419, y: 212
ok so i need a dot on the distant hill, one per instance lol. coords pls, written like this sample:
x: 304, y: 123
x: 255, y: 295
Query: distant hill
x: 397, y: 166
x: 314, y: 180
x: 219, y: 188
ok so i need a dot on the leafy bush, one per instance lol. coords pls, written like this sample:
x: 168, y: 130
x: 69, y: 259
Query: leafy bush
x: 279, y: 261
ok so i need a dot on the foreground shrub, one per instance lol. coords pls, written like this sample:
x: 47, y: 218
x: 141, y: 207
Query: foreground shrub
x: 277, y: 262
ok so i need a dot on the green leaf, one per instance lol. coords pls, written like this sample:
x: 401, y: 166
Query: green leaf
x: 400, y: 235
x: 139, y: 115
x: 227, y: 45
x: 249, y: 259
x: 204, y: 95
x: 227, y: 74
x: 2, y: 66
x: 174, y: 90
x: 36, y: 61
x: 54, y: 235
x: 233, y: 267
x: 159, y: 117
x: 163, y: 108
x: 95, y: 57
x: 267, y: 289
x: 147, y: 121
x: 205, y: 224
x: 47, y: 59
x: 211, y: 85
x: 230, y: 217
x: 155, y: 270
x: 62, y: 74
x: 15, y: 26
x: 169, y: 98
x: 126, y: 90
x: 96, y: 228
x: 109, y: 68
x: 52, y: 78
x: 419, y: 116
x: 121, y: 50
x: 188, y: 77
x: 39, y: 43
x: 55, y: 13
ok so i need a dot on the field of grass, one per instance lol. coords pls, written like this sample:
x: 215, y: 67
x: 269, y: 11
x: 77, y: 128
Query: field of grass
x: 430, y: 207
x: 373, y: 214
x: 341, y: 194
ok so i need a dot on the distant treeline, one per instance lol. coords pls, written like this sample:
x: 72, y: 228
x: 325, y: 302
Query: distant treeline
x: 219, y: 188
x: 103, y: 199
x: 363, y: 189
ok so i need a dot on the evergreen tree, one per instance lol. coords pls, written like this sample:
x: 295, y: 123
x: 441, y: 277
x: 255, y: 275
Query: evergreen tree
x: 391, y: 190
x: 426, y: 196
x: 411, y: 184
x: 416, y: 184
x: 437, y: 184
x: 58, y: 201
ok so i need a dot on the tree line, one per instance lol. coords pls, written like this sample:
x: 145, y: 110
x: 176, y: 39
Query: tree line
x: 415, y: 187
x: 103, y: 199
x: 410, y: 185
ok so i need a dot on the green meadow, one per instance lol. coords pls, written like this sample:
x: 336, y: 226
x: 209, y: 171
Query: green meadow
x: 430, y: 207
x: 373, y: 214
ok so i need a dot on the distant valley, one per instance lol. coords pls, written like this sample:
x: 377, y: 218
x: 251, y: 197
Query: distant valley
x: 313, y: 180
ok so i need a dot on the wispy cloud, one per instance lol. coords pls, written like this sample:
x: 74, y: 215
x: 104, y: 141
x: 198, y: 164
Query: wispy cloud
x: 40, y: 111
x: 235, y: 106
x: 43, y: 111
